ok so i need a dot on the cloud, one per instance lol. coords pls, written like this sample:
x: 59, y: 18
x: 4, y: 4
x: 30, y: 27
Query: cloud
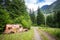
x: 31, y: 1
x: 32, y: 4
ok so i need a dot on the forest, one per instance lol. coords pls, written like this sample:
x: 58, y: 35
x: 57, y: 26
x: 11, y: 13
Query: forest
x: 16, y: 12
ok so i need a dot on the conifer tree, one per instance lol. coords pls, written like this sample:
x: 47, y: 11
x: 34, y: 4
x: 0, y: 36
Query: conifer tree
x: 40, y: 17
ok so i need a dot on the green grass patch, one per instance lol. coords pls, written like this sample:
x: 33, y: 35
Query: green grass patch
x: 53, y: 31
x: 43, y: 36
x: 18, y: 36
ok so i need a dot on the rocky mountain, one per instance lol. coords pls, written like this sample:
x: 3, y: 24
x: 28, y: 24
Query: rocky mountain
x: 45, y: 7
x: 50, y: 8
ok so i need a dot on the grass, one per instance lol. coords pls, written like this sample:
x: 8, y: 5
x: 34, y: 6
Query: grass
x: 18, y: 36
x: 43, y: 36
x: 53, y: 31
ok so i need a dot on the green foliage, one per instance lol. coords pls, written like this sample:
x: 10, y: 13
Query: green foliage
x: 57, y: 19
x: 40, y: 17
x: 55, y: 10
x: 42, y: 25
x: 50, y: 21
x: 42, y: 35
x: 1, y: 1
x: 26, y: 22
x: 18, y: 36
x: 14, y: 12
x: 52, y: 31
x: 54, y: 20
x: 4, y: 18
x: 33, y: 17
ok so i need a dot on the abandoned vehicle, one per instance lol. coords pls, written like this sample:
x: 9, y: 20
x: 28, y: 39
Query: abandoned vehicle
x: 14, y: 28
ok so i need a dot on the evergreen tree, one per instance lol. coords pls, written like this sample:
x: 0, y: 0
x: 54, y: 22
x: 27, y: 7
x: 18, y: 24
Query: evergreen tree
x: 33, y: 17
x: 50, y: 20
x: 14, y: 12
x: 40, y: 17
x: 4, y: 19
x: 57, y: 18
x: 18, y: 12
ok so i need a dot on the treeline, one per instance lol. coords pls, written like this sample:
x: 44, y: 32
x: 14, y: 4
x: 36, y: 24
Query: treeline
x: 52, y: 19
x: 37, y: 17
x: 13, y: 12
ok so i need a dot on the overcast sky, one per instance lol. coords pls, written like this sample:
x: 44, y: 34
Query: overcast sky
x: 33, y: 4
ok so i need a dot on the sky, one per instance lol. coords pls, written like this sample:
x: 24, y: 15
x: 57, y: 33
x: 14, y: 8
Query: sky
x: 33, y: 4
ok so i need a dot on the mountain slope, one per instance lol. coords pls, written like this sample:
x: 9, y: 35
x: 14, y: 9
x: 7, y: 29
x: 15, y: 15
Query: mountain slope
x: 53, y: 7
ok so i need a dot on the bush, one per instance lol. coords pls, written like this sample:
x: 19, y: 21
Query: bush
x: 26, y: 24
x: 25, y: 21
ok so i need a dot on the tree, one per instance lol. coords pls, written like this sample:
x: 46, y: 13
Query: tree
x: 18, y: 12
x: 40, y: 17
x: 50, y: 20
x: 1, y: 2
x: 14, y: 12
x: 57, y: 18
x: 4, y: 19
x: 33, y: 17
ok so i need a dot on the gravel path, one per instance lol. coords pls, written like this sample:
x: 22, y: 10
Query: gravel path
x: 47, y: 35
x: 36, y: 35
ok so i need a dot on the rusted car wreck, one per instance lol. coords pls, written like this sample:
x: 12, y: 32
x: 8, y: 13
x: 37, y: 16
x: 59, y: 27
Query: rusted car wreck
x: 14, y: 28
